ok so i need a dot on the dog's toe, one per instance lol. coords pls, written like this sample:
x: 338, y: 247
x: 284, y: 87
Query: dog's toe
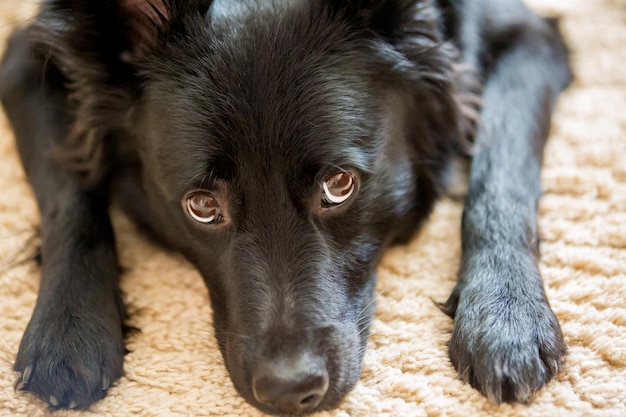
x: 61, y: 386
x: 106, y: 383
x: 507, y: 355
x: 69, y: 363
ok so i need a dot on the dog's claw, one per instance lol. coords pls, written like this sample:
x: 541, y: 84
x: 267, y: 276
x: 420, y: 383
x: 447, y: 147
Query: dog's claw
x: 106, y: 383
x: 23, y: 379
x: 556, y: 365
x: 73, y: 404
x: 54, y: 401
x: 28, y: 371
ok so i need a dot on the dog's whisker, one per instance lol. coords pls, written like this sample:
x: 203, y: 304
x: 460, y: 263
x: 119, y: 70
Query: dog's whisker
x: 363, y: 330
x: 364, y: 309
x: 194, y: 178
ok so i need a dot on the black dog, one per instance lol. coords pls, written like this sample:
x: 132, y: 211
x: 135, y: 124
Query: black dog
x: 282, y: 145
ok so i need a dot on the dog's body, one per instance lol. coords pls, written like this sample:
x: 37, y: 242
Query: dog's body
x: 302, y: 138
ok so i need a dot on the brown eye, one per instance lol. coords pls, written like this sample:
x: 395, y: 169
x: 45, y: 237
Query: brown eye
x: 337, y: 188
x: 203, y: 208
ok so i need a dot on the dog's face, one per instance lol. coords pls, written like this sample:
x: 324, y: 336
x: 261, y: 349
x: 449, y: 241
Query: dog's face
x: 284, y: 144
x: 279, y: 150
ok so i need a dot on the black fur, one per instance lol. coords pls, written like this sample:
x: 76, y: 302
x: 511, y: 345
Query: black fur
x: 257, y: 102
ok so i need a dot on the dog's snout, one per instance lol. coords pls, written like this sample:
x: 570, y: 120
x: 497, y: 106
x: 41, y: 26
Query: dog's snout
x: 291, y: 386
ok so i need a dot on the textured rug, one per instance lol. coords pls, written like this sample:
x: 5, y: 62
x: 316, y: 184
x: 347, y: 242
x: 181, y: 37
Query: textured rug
x: 175, y: 368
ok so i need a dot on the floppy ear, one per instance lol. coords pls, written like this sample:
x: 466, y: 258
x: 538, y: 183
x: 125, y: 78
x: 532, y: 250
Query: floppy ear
x: 98, y: 45
x: 445, y: 90
x: 144, y: 18
x: 385, y: 17
x: 410, y: 26
x: 102, y: 29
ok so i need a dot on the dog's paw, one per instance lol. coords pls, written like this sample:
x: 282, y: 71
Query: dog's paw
x: 506, y: 344
x: 70, y: 360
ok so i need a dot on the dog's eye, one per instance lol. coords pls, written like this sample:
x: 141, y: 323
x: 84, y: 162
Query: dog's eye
x: 203, y: 208
x: 338, y: 188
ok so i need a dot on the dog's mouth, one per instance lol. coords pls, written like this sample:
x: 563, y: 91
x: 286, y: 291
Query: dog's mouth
x: 297, y: 374
x: 296, y: 381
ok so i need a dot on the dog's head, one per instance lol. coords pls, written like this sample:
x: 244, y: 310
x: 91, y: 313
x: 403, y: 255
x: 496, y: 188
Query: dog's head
x: 284, y: 143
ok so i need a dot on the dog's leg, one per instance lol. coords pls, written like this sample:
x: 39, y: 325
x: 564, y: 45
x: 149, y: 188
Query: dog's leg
x: 73, y: 346
x: 506, y: 340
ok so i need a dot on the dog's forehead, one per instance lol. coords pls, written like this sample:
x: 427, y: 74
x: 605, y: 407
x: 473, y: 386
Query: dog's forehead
x: 233, y: 11
x: 285, y: 93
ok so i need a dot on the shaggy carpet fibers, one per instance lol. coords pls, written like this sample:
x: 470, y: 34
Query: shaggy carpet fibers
x: 175, y: 368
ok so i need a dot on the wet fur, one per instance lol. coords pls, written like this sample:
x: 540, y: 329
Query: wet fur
x: 176, y: 99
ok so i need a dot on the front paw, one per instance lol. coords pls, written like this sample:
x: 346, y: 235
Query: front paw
x: 506, y: 343
x: 69, y: 359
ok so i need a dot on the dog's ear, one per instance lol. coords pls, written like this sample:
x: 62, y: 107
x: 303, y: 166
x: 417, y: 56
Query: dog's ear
x: 99, y: 45
x: 109, y: 29
x: 143, y: 20
x: 385, y: 17
x: 446, y: 91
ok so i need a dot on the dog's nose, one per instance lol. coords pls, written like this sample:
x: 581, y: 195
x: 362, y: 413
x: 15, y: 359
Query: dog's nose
x: 291, y: 386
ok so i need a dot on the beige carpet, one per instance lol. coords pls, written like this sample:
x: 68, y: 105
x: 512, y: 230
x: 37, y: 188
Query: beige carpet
x: 176, y: 369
